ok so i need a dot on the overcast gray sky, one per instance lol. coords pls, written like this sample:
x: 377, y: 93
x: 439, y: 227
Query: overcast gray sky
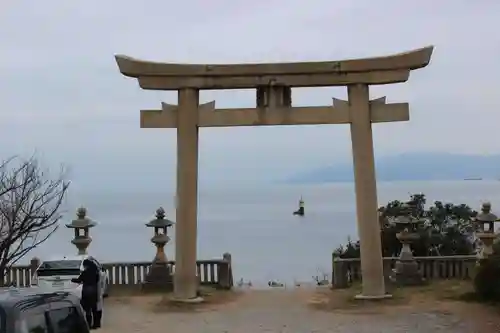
x: 62, y: 95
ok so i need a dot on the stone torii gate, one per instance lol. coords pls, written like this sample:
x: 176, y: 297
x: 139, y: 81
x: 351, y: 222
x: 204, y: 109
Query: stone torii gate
x: 273, y: 83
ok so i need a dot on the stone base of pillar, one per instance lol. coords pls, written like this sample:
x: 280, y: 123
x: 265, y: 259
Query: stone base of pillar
x: 372, y: 297
x: 406, y: 273
x: 195, y: 300
x: 159, y: 278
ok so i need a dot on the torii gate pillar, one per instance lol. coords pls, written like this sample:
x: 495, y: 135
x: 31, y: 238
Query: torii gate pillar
x: 273, y: 83
x: 185, y: 276
x: 366, y: 191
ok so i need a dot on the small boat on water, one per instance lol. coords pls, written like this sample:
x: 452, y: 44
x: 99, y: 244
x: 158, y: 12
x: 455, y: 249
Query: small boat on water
x: 275, y: 283
x: 300, y: 211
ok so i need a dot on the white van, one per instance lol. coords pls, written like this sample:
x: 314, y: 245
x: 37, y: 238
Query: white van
x: 56, y: 274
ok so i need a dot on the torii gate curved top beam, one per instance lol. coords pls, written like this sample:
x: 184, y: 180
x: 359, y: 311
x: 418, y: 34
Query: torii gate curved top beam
x: 377, y: 70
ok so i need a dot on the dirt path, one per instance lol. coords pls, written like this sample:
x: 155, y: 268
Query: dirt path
x: 289, y: 311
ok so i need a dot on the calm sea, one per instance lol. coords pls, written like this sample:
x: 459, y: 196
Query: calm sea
x: 254, y: 224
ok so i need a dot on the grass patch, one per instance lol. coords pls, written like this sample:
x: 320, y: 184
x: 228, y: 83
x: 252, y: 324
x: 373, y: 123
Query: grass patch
x: 430, y: 296
x: 472, y: 297
x: 212, y: 299
x: 125, y: 291
x: 161, y: 301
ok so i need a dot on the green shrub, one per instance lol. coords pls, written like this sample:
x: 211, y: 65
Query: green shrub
x: 446, y: 229
x: 487, y: 279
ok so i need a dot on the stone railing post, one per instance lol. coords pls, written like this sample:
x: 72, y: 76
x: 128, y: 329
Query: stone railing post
x: 225, y: 272
x: 387, y: 267
x: 34, y: 263
x: 339, y: 274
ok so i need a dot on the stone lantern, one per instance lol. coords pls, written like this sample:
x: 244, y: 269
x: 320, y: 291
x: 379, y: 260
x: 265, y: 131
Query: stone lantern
x: 160, y: 274
x: 487, y: 235
x: 82, y: 224
x: 406, y: 271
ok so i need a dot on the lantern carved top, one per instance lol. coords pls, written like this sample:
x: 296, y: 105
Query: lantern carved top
x: 486, y: 215
x: 405, y: 219
x: 82, y: 221
x: 160, y: 221
x: 486, y: 218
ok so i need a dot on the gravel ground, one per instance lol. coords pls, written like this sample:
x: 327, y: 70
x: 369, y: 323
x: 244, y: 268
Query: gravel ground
x: 291, y: 311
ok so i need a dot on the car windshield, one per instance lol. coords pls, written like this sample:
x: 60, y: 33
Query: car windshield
x: 59, y: 267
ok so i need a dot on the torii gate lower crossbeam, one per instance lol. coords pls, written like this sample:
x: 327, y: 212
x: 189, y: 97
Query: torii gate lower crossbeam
x: 273, y: 83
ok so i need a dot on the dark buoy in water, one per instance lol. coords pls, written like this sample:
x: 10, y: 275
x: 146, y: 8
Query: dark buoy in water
x: 300, y: 211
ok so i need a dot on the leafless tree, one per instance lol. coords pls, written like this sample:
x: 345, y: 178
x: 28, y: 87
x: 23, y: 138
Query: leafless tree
x: 30, y: 208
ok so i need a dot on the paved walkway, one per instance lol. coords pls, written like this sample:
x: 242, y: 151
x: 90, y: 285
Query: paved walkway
x: 287, y: 311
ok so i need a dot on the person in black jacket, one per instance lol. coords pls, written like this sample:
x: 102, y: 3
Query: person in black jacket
x: 100, y: 290
x: 89, y: 279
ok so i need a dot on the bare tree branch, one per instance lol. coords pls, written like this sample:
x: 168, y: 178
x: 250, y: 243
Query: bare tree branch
x: 30, y: 208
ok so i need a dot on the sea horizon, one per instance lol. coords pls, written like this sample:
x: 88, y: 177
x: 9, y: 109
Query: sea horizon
x: 254, y: 223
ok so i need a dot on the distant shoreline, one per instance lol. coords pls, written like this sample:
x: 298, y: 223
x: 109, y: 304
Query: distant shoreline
x: 411, y: 166
x: 388, y: 181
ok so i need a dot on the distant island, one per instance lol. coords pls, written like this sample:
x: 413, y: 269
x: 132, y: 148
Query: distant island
x: 412, y: 166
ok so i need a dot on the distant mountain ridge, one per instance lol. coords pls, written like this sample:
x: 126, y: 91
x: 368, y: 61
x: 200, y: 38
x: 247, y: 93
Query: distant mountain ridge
x: 413, y: 166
